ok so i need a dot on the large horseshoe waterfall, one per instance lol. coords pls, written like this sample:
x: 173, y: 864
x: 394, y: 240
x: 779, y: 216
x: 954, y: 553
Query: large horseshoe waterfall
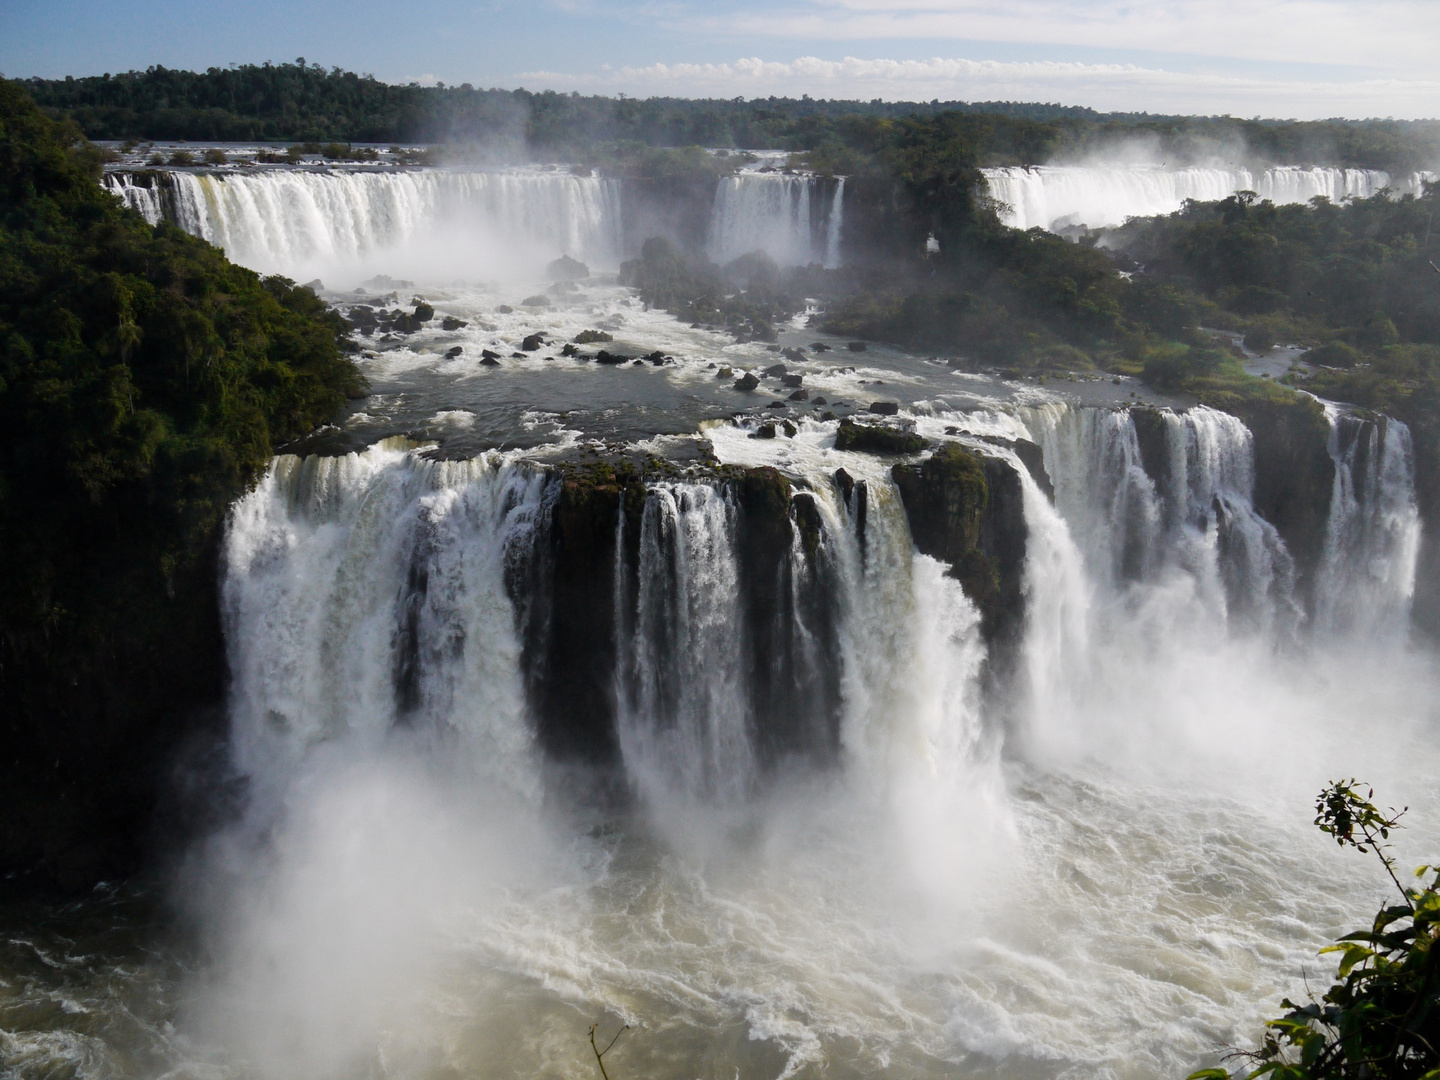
x: 792, y: 704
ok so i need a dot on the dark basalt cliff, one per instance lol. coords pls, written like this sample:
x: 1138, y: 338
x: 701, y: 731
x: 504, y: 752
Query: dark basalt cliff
x: 1294, y: 476
x: 967, y: 509
x: 575, y: 614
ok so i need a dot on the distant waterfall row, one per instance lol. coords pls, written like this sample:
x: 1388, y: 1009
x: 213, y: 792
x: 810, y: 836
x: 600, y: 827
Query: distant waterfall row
x: 301, y: 222
x: 704, y: 635
x: 1057, y: 196
x: 304, y: 223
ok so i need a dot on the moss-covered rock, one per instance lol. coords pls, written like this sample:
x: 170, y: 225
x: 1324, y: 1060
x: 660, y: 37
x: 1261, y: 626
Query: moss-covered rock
x: 967, y: 510
x: 876, y: 439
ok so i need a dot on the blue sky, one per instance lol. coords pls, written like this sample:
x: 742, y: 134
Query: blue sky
x: 1306, y: 58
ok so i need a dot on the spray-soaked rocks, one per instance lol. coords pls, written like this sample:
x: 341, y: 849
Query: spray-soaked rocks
x: 966, y: 508
x: 875, y: 439
x: 409, y: 323
x: 567, y: 269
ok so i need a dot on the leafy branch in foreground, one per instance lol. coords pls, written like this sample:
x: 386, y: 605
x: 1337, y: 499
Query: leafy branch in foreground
x: 1379, y: 1020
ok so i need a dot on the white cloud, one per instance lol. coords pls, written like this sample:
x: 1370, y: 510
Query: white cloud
x: 1385, y: 35
x: 1102, y: 86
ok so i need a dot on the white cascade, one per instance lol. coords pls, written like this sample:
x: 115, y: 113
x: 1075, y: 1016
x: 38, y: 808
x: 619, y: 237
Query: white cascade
x: 146, y: 198
x: 1212, y: 474
x: 683, y: 700
x: 779, y: 215
x: 1195, y: 519
x: 835, y: 225
x: 367, y: 592
x: 1053, y: 196
x: 1366, y: 578
x: 422, y: 222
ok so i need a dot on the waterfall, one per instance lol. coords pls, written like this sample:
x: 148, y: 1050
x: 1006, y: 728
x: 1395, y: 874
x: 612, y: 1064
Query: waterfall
x: 1055, y: 196
x: 834, y: 225
x: 144, y: 197
x: 1372, y: 539
x: 367, y: 592
x: 384, y: 590
x: 1150, y: 494
x: 684, y: 698
x: 781, y: 215
x: 425, y: 222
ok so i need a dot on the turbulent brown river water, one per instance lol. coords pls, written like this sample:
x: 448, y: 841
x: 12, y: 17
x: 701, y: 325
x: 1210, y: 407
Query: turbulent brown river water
x: 1108, y: 872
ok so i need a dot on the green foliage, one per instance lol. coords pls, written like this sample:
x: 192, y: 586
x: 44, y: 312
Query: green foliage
x: 302, y: 101
x: 1177, y: 366
x: 1335, y: 354
x: 1379, y: 1021
x: 876, y: 439
x: 145, y: 381
x: 1356, y: 281
x: 1359, y: 272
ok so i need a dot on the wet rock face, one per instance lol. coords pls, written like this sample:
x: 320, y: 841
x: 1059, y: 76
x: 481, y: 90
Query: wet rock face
x: 1151, y: 435
x: 562, y: 585
x: 791, y: 620
x: 562, y: 582
x: 967, y: 510
x: 876, y: 439
x: 1294, y: 476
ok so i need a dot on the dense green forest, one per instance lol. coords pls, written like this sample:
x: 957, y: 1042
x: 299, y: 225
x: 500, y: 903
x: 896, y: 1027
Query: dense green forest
x: 145, y: 381
x: 307, y: 102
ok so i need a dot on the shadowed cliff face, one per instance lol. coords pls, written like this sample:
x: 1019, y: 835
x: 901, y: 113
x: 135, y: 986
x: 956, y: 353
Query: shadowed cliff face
x: 967, y: 510
x: 1293, y: 476
x: 563, y: 587
x: 86, y: 749
x: 573, y: 624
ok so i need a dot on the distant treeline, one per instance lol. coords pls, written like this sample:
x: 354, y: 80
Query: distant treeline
x: 307, y: 102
